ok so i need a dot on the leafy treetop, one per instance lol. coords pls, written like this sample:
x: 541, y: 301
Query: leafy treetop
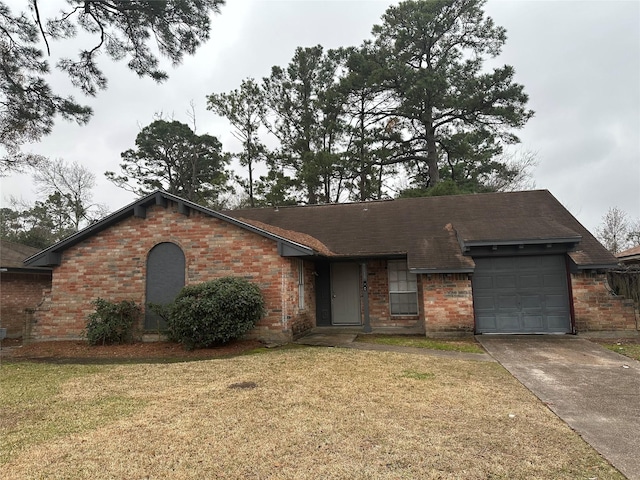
x: 121, y: 29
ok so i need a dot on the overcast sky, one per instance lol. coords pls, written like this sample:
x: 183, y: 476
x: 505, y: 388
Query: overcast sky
x: 578, y: 60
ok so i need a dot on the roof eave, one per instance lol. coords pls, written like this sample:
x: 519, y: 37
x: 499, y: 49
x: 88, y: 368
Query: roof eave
x: 427, y: 271
x: 24, y: 270
x: 629, y: 258
x: 596, y: 266
x: 525, y: 241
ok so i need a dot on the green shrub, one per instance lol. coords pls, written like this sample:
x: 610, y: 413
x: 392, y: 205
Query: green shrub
x: 213, y: 312
x: 112, y: 322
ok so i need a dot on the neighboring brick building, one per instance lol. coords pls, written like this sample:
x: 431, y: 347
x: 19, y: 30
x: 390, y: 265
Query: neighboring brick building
x: 22, y: 289
x: 492, y: 263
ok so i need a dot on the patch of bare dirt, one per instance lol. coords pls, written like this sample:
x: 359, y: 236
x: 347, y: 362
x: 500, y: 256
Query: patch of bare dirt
x: 81, y: 351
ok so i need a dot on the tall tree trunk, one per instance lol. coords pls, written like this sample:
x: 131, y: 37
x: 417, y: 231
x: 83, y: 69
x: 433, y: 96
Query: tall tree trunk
x: 250, y: 167
x: 363, y: 180
x: 432, y: 153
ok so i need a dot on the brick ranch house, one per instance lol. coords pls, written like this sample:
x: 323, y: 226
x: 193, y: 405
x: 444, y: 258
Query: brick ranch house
x: 489, y: 263
x: 21, y: 288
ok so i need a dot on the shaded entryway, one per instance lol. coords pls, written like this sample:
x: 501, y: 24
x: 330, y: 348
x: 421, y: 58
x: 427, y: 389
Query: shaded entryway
x: 595, y: 391
x: 165, y: 278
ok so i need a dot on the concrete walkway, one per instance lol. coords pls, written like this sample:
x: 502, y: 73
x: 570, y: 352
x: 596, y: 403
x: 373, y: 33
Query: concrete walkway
x: 595, y: 391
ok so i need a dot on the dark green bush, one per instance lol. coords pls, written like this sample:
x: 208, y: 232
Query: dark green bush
x: 213, y: 312
x: 112, y: 322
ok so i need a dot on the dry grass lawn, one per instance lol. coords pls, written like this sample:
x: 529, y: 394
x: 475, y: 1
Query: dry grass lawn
x: 305, y: 413
x: 463, y: 344
x: 628, y: 347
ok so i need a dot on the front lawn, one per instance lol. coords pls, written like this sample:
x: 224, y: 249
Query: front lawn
x: 629, y: 347
x: 463, y: 344
x: 304, y: 413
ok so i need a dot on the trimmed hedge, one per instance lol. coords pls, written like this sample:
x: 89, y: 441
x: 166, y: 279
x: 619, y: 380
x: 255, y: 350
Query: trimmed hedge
x: 213, y: 312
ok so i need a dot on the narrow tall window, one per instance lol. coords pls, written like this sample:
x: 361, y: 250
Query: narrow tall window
x: 403, y: 289
x: 301, y: 284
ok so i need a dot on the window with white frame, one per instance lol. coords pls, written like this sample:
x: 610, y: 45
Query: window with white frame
x: 403, y: 289
x: 301, y: 284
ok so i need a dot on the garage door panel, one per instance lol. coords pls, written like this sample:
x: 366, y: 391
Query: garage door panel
x: 555, y: 301
x: 489, y: 321
x: 507, y: 302
x: 521, y: 295
x: 526, y: 263
x: 533, y: 323
x: 505, y: 281
x: 556, y: 323
x: 529, y: 281
x: 531, y: 302
x: 549, y: 261
x: 553, y: 281
x: 506, y: 322
x: 484, y: 303
x: 484, y: 282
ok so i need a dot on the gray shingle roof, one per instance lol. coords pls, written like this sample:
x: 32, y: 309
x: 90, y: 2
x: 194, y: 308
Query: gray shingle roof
x: 432, y: 230
x: 12, y: 254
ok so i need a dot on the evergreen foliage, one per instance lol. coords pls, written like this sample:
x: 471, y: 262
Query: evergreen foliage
x: 119, y: 29
x: 170, y: 156
x: 213, y: 312
x: 416, y: 100
x: 112, y: 322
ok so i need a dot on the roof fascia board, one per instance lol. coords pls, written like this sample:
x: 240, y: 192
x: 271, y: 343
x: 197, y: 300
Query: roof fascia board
x: 286, y: 250
x: 629, y: 257
x: 48, y: 259
x: 27, y: 270
x: 602, y: 266
x: 427, y: 271
x: 532, y: 241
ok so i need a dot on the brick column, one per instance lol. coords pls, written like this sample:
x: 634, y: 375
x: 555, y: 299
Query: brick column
x: 448, y: 304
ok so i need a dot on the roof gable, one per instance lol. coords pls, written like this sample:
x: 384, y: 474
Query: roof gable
x: 52, y: 256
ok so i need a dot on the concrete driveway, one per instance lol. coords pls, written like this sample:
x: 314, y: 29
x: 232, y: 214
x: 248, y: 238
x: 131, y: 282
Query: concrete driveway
x: 595, y: 391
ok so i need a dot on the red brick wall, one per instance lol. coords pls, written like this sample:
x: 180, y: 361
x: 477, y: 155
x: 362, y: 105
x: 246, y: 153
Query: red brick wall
x: 300, y: 319
x: 596, y: 309
x: 447, y: 303
x: 112, y: 265
x: 20, y: 292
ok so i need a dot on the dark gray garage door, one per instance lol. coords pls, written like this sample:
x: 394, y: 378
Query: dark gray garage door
x: 521, y: 295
